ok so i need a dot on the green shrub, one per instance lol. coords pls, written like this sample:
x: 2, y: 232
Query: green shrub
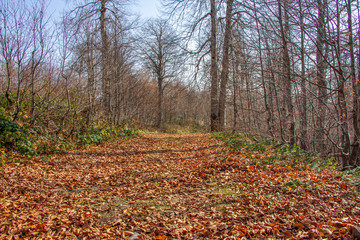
x: 15, y: 137
x: 100, y: 135
x: 270, y: 152
x: 239, y: 142
x: 352, y: 177
x: 182, y: 125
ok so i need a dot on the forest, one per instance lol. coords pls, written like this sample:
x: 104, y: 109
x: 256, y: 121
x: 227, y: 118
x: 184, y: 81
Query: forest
x: 277, y: 69
x: 218, y: 119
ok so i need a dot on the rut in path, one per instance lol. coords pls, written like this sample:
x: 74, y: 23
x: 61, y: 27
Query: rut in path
x: 167, y: 186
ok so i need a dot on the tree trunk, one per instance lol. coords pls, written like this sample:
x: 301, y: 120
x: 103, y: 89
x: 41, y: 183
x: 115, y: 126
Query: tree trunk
x: 225, y: 65
x: 105, y: 84
x: 303, y: 98
x: 342, y: 105
x: 235, y: 89
x: 91, y: 82
x: 354, y: 157
x: 288, y: 112
x: 160, y: 102
x: 357, y: 163
x: 320, y: 78
x: 266, y: 103
x: 214, y: 117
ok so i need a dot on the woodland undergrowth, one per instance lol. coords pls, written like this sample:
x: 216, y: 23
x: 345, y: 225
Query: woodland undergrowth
x: 22, y: 142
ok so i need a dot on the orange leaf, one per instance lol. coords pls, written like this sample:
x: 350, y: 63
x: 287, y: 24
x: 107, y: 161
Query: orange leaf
x: 161, y: 237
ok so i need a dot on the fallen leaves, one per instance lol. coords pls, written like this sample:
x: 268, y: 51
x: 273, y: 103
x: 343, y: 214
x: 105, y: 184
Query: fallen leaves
x: 163, y: 186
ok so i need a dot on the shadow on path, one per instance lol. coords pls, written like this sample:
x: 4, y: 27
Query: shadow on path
x: 132, y: 153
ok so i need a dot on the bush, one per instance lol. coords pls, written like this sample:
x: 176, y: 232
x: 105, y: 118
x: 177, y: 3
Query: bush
x: 100, y: 135
x: 180, y: 125
x: 270, y: 152
x: 15, y: 137
x: 238, y: 142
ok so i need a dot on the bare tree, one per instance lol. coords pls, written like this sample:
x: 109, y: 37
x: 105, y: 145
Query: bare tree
x: 39, y: 50
x: 214, y: 104
x: 320, y: 75
x: 161, y: 54
x: 288, y: 112
x: 25, y: 42
x: 355, y: 153
x: 225, y: 64
x: 106, y: 15
x: 303, y: 104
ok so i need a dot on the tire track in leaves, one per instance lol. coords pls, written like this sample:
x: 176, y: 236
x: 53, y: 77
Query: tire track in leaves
x: 165, y: 186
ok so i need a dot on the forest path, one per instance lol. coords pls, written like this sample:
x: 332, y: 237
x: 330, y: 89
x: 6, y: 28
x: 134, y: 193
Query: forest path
x: 171, y: 186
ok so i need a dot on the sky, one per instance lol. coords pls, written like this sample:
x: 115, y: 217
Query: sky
x: 145, y: 8
x: 148, y: 8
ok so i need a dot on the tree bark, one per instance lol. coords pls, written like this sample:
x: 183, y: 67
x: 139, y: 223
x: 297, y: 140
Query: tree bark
x: 214, y: 114
x: 235, y: 89
x: 320, y: 77
x: 262, y: 70
x: 91, y: 80
x: 303, y: 98
x: 105, y: 84
x: 355, y: 154
x: 160, y: 102
x: 357, y: 163
x: 288, y: 112
x: 342, y: 105
x: 225, y: 65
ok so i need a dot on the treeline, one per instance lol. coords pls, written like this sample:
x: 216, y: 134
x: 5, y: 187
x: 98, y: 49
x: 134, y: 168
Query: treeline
x: 66, y: 76
x: 288, y: 70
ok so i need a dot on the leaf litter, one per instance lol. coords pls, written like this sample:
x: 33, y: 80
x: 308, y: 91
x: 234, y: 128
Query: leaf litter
x: 172, y: 186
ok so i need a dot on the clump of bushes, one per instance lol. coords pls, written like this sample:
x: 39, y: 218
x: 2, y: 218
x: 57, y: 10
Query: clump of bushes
x: 268, y: 151
x: 16, y: 138
x: 180, y: 125
x: 239, y: 142
x: 100, y: 135
x: 30, y: 142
